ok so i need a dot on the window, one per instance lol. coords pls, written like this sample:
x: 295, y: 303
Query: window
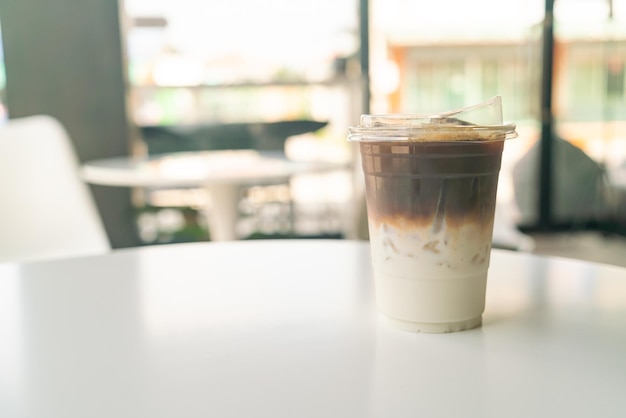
x: 193, y: 61
x: 452, y: 53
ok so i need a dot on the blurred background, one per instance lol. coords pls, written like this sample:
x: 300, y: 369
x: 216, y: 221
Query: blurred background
x: 115, y: 72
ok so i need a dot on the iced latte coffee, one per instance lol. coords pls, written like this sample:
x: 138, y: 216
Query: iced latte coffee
x: 431, y: 187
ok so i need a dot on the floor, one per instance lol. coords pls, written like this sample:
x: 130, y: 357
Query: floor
x: 591, y: 246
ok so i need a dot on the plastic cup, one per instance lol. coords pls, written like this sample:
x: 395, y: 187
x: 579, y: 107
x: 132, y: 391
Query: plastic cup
x: 430, y: 184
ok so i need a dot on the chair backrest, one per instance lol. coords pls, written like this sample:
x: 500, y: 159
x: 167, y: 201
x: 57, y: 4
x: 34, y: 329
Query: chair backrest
x: 46, y: 211
x: 580, y: 194
x: 262, y: 136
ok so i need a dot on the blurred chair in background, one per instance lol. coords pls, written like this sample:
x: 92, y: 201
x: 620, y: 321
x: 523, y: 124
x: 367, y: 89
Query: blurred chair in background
x: 47, y: 211
x: 581, y: 193
x: 260, y: 136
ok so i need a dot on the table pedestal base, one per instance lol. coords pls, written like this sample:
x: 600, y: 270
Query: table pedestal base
x: 224, y: 211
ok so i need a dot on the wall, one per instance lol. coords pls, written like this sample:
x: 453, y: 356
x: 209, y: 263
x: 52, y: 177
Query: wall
x: 64, y: 58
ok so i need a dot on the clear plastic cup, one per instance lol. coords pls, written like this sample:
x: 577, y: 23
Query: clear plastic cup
x: 431, y: 185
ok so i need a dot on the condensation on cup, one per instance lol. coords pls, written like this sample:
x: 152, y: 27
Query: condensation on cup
x: 430, y: 183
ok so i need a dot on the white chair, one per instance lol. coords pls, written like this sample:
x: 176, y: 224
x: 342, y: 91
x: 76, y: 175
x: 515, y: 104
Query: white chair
x: 46, y: 211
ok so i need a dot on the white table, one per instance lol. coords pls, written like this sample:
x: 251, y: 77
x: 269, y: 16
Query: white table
x: 288, y: 329
x: 221, y: 173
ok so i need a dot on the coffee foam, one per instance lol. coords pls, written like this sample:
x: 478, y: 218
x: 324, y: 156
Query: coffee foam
x: 453, y: 135
x: 435, y: 130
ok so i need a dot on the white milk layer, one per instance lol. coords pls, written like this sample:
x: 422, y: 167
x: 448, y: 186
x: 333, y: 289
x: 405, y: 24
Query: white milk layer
x: 431, y: 277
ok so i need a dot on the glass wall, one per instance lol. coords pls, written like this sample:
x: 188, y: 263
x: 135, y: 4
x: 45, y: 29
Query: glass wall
x: 194, y: 61
x: 590, y: 100
x: 448, y: 54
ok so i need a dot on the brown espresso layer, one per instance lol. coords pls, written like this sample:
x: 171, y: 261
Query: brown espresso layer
x: 431, y: 183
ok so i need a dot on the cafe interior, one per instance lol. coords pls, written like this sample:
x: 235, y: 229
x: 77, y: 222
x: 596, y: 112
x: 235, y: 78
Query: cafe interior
x: 195, y: 221
x: 197, y: 121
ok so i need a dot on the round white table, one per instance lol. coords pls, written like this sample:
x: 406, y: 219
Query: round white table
x: 288, y: 329
x: 221, y: 173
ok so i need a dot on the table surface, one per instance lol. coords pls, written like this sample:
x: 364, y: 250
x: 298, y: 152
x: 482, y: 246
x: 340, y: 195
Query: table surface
x: 289, y: 329
x: 221, y: 174
x: 190, y: 169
